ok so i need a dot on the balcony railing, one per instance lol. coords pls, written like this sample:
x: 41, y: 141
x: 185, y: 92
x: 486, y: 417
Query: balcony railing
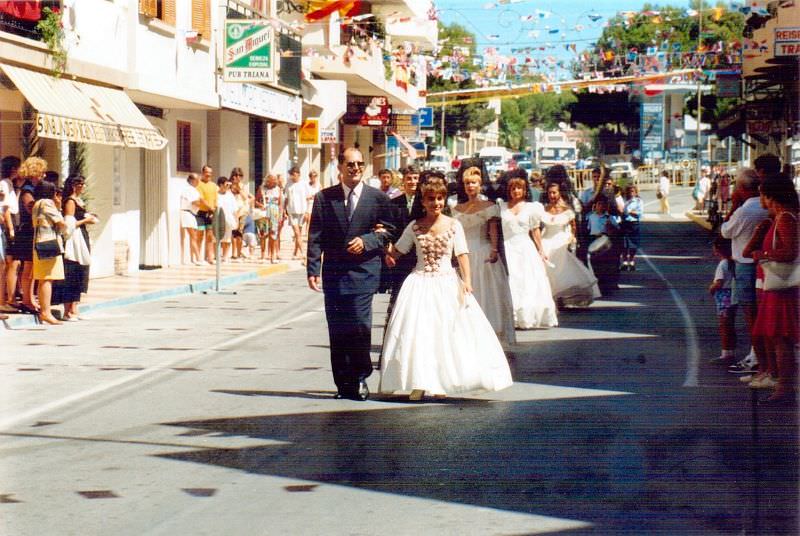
x: 21, y: 18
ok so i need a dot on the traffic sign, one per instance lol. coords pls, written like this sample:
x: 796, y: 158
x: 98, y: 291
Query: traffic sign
x: 425, y: 116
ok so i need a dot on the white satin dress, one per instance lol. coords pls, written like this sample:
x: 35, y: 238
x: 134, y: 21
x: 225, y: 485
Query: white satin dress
x: 570, y: 280
x: 530, y: 288
x: 438, y: 339
x: 489, y: 279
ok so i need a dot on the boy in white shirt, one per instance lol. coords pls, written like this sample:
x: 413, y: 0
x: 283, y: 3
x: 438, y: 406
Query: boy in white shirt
x: 298, y: 197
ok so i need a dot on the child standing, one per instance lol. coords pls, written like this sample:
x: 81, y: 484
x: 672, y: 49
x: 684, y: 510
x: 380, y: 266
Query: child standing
x: 631, y: 220
x: 438, y: 339
x: 721, y: 289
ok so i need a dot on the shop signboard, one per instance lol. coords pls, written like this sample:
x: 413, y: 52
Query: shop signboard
x: 367, y: 111
x: 787, y: 41
x: 249, y: 51
x: 652, y: 127
x: 329, y: 135
x: 728, y: 85
x: 308, y: 133
x: 404, y: 125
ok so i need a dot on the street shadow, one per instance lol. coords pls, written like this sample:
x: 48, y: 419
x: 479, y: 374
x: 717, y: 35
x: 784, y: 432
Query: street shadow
x: 603, y: 461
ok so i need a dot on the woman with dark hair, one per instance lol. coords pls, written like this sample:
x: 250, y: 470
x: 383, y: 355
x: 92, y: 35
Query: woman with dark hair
x: 48, y: 224
x: 571, y: 282
x: 77, y: 249
x: 776, y: 330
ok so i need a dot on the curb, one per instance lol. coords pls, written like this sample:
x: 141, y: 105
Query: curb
x: 21, y: 321
x: 698, y: 219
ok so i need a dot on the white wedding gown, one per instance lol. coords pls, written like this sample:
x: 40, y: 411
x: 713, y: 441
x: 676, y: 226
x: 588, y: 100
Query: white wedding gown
x: 530, y: 289
x: 438, y: 339
x: 489, y: 279
x: 570, y: 280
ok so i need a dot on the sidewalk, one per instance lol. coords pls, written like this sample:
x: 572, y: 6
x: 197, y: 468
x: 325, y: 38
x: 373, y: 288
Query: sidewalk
x: 149, y: 285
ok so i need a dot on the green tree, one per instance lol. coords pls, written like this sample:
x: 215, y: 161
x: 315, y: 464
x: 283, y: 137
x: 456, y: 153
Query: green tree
x: 543, y: 110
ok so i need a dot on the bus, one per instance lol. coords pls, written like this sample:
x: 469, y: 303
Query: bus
x: 549, y: 148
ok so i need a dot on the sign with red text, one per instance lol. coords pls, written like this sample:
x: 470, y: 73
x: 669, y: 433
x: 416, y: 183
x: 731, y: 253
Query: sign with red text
x: 787, y: 41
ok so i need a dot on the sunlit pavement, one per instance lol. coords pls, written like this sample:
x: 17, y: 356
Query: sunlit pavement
x: 212, y: 414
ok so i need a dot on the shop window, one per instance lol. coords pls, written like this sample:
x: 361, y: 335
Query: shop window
x: 290, y: 64
x: 163, y: 10
x: 184, y: 159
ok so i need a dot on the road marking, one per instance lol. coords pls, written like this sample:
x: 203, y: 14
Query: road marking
x: 98, y: 389
x: 693, y: 356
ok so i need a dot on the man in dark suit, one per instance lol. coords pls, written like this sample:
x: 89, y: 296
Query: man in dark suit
x: 402, y: 217
x: 350, y: 225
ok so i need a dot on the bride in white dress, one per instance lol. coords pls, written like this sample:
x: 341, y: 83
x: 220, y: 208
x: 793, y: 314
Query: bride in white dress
x: 481, y: 221
x: 570, y: 280
x: 438, y: 340
x: 530, y: 289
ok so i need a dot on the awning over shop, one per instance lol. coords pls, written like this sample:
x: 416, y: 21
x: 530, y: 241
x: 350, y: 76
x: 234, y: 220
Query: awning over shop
x: 80, y: 112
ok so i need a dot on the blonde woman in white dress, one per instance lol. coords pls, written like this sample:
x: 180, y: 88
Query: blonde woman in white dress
x: 530, y: 289
x: 481, y: 222
x: 438, y: 340
x: 571, y: 281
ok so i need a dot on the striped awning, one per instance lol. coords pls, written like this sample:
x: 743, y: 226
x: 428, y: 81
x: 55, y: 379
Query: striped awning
x: 80, y: 112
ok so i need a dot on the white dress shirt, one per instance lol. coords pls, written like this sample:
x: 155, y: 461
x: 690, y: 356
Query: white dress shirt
x: 741, y: 226
x: 359, y: 188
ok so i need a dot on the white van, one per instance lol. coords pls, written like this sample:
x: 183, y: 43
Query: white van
x: 496, y: 158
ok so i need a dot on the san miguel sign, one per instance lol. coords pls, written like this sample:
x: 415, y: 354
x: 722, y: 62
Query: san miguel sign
x: 249, y: 51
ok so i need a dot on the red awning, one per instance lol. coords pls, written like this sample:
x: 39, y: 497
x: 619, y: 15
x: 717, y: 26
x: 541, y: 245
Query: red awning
x: 24, y: 9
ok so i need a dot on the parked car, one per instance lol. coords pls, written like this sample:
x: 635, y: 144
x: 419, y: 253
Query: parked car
x: 622, y: 170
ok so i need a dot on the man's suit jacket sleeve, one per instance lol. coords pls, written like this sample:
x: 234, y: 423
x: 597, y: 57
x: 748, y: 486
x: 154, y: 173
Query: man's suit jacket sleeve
x: 380, y: 240
x: 314, y: 250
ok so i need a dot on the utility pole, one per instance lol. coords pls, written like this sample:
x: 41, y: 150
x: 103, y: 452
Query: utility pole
x: 698, y: 169
x: 444, y: 142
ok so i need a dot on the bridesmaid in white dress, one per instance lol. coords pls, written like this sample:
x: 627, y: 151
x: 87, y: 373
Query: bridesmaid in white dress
x: 438, y: 339
x: 530, y: 289
x: 481, y: 221
x: 570, y: 280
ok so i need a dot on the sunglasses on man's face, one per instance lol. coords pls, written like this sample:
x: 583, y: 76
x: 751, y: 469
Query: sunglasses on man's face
x: 355, y: 164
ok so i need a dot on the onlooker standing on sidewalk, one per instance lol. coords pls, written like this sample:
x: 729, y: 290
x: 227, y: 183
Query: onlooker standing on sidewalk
x: 632, y: 212
x: 777, y: 325
x: 48, y: 225
x: 77, y: 252
x: 227, y: 202
x: 298, y: 194
x: 722, y: 290
x: 190, y: 204
x: 8, y: 209
x: 385, y: 177
x: 740, y: 228
x: 662, y: 192
x: 208, y: 205
x: 30, y: 174
x: 269, y: 199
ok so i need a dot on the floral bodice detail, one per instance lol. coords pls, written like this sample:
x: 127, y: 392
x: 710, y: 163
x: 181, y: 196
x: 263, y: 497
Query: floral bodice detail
x: 434, y: 250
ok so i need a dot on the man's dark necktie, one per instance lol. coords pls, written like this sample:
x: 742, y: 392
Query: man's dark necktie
x: 351, y: 198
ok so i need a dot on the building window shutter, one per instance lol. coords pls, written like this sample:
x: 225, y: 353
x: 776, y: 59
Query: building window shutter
x: 168, y: 11
x: 201, y: 19
x: 148, y: 8
x: 184, y: 146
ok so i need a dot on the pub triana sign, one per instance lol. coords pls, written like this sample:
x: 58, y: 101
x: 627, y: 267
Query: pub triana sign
x: 249, y: 51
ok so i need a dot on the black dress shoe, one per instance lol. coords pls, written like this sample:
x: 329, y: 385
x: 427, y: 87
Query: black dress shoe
x: 362, y: 392
x: 338, y: 396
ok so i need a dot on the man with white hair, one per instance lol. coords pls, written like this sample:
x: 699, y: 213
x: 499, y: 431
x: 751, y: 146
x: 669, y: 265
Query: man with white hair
x: 740, y: 227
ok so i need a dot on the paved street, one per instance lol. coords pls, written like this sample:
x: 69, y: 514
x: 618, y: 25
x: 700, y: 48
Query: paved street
x: 213, y: 414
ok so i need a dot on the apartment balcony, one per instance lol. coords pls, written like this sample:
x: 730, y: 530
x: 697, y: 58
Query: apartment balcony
x: 423, y: 31
x: 413, y: 8
x: 366, y: 73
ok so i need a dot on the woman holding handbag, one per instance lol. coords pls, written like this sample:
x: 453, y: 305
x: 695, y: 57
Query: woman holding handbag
x: 776, y: 330
x: 77, y: 255
x: 48, y: 262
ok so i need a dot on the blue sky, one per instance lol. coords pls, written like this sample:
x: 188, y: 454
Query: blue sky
x: 502, y: 28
